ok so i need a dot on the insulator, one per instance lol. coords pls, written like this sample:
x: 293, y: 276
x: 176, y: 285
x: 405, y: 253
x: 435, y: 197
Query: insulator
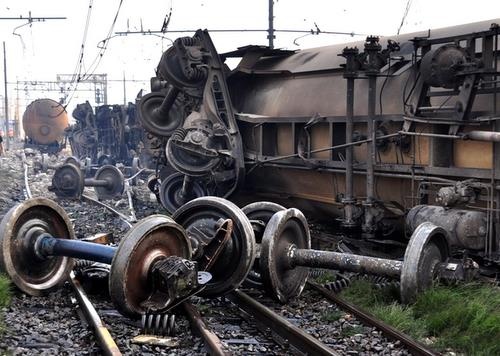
x: 158, y: 324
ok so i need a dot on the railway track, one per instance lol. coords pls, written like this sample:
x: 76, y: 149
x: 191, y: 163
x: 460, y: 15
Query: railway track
x: 415, y: 347
x: 286, y: 332
x: 295, y: 328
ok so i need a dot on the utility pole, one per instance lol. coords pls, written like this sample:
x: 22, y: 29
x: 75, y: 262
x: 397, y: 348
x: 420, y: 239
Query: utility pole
x: 270, y: 31
x: 124, y: 90
x: 29, y: 20
x: 5, y: 97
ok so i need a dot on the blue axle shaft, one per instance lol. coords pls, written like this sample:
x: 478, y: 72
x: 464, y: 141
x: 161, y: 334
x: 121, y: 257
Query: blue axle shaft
x: 51, y: 246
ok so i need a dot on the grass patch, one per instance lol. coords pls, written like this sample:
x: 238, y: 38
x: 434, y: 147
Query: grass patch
x: 331, y: 316
x: 465, y: 318
x: 5, y: 291
x: 351, y: 330
x: 325, y: 277
x: 5, y: 294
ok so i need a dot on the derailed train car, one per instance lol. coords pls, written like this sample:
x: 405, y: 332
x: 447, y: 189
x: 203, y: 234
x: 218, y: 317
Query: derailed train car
x: 384, y: 134
x: 109, y: 135
x: 44, y: 122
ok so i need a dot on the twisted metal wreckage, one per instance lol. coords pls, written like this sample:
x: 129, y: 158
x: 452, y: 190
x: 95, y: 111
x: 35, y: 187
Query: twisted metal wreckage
x: 391, y: 134
x: 392, y: 129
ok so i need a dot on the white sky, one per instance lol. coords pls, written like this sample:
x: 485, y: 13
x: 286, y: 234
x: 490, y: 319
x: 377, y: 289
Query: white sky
x: 49, y: 48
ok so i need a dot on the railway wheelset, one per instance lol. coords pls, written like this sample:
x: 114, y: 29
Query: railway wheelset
x: 208, y: 247
x: 71, y: 177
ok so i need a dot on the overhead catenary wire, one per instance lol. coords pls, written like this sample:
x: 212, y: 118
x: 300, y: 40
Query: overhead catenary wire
x: 103, y: 45
x: 314, y: 32
x: 77, y: 75
x: 405, y: 14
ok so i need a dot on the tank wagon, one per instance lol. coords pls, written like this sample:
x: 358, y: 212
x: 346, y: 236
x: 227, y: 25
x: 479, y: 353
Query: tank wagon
x: 44, y: 122
x: 383, y: 134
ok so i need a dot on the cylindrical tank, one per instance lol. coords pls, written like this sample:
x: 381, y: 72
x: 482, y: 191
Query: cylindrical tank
x: 44, y: 121
x: 467, y: 228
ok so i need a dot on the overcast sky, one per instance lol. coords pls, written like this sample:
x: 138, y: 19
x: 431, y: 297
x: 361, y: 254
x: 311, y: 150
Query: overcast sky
x: 41, y: 51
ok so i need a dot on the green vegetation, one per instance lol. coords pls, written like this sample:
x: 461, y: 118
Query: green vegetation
x: 333, y: 315
x: 465, y: 318
x: 325, y: 277
x: 351, y: 330
x: 4, y: 291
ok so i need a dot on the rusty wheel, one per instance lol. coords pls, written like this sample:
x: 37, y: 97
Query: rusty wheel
x: 68, y: 181
x: 425, y: 251
x: 259, y: 214
x: 152, y: 238
x: 115, y: 180
x: 201, y: 217
x: 286, y: 228
x: 19, y: 230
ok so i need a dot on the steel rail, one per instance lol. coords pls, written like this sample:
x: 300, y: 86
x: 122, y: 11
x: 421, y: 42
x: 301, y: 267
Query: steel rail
x: 125, y: 219
x: 296, y: 337
x: 198, y: 325
x: 414, y: 346
x: 104, y: 338
x: 26, y: 180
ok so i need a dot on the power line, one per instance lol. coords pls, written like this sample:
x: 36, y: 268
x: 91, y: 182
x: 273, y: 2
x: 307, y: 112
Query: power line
x: 407, y: 9
x: 32, y: 19
x: 102, y: 49
x: 314, y: 32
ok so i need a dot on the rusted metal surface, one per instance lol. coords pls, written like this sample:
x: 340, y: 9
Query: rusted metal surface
x: 198, y: 325
x: 216, y: 245
x: 286, y: 230
x: 427, y: 249
x: 201, y: 218
x: 108, y: 182
x: 345, y: 261
x: 295, y: 336
x: 151, y: 239
x: 108, y: 135
x: 259, y: 214
x: 19, y: 232
x: 415, y: 347
x: 285, y: 254
x: 104, y: 338
x: 350, y: 74
x: 44, y: 122
x: 68, y: 181
x: 466, y: 228
x: 291, y: 116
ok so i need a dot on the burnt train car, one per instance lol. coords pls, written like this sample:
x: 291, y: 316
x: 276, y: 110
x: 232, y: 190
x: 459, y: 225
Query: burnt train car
x: 383, y: 134
x: 109, y: 135
x: 44, y: 122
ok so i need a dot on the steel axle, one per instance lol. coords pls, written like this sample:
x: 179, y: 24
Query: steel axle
x: 344, y: 261
x: 68, y: 182
x: 285, y: 255
x: 47, y: 246
x: 155, y: 249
